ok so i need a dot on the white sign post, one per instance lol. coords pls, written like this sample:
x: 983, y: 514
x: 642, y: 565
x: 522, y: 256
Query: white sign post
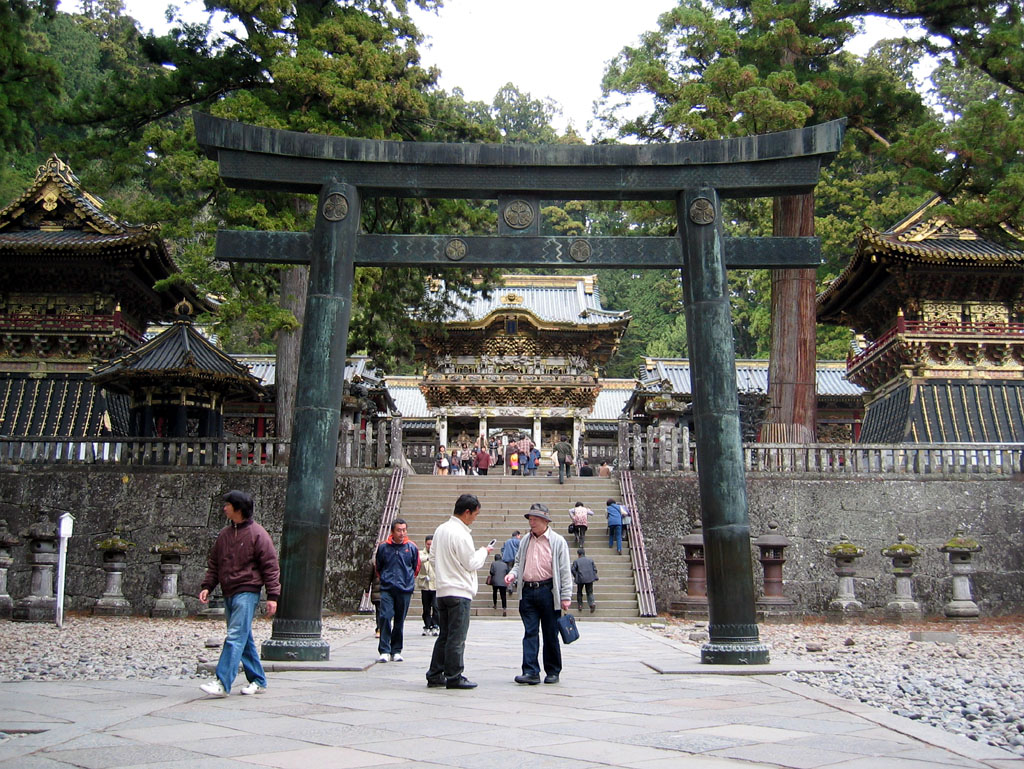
x: 65, y: 528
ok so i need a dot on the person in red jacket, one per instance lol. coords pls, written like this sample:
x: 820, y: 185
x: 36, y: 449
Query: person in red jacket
x: 243, y: 560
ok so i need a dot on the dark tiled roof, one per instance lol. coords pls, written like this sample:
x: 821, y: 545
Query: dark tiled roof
x: 72, y: 240
x: 947, y: 411
x: 64, y: 406
x: 178, y: 354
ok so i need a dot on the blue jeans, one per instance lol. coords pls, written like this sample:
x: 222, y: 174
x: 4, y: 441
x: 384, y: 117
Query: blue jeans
x: 615, y: 536
x: 538, y: 612
x: 446, y: 662
x: 394, y: 605
x: 239, y: 644
x: 563, y: 471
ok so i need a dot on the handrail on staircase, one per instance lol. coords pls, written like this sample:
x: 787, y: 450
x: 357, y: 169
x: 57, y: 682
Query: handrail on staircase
x: 637, y: 551
x: 386, y: 519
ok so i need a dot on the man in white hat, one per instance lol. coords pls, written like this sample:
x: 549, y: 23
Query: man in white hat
x: 542, y: 567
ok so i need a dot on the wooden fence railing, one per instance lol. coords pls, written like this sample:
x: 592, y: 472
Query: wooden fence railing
x: 654, y: 449
x: 637, y: 549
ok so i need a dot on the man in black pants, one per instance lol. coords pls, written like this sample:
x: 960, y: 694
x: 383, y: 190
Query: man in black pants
x: 455, y: 567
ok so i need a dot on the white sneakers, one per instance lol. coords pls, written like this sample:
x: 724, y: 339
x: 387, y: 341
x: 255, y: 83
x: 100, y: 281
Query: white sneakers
x: 384, y: 658
x: 214, y: 688
x: 397, y: 658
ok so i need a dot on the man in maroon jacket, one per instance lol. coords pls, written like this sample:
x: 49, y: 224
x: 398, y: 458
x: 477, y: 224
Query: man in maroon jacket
x: 242, y: 561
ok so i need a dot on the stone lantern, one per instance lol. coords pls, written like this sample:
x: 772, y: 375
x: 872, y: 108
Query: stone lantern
x: 961, y: 549
x: 902, y: 605
x: 115, y: 558
x: 773, y: 554
x: 41, y: 604
x: 845, y: 555
x: 695, y: 603
x: 7, y: 541
x: 168, y: 603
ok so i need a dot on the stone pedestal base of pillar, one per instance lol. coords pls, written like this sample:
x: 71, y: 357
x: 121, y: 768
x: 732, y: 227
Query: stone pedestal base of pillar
x: 903, y: 611
x: 961, y: 610
x: 112, y: 608
x: 6, y: 605
x: 695, y: 608
x: 845, y: 608
x: 214, y: 609
x: 775, y: 609
x: 170, y: 607
x: 34, y: 609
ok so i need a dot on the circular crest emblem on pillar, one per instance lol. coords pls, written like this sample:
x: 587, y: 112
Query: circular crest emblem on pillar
x: 580, y: 250
x: 335, y: 207
x: 702, y: 211
x: 518, y: 214
x: 456, y: 249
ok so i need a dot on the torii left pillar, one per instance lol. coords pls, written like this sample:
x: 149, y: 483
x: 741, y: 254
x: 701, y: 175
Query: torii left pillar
x: 297, y: 626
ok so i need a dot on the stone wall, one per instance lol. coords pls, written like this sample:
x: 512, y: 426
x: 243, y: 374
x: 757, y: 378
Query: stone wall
x: 150, y: 504
x: 871, y: 512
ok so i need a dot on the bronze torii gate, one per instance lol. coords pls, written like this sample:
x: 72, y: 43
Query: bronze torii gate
x: 344, y: 171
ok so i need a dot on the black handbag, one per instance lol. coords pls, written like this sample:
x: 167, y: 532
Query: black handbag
x: 572, y: 528
x: 567, y: 628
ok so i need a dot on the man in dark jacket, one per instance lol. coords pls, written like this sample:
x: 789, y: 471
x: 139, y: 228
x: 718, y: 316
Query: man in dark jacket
x: 398, y: 563
x: 584, y: 574
x: 242, y: 561
x: 563, y: 455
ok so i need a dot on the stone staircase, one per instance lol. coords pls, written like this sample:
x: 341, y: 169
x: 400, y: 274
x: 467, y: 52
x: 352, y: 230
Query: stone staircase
x: 428, y: 500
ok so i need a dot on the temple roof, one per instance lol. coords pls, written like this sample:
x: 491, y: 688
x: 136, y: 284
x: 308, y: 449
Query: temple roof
x: 179, y: 355
x: 925, y: 241
x: 56, y: 218
x: 552, y: 299
x: 751, y: 376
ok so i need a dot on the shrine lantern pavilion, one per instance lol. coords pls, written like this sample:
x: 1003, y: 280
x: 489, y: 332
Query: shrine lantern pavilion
x: 940, y: 310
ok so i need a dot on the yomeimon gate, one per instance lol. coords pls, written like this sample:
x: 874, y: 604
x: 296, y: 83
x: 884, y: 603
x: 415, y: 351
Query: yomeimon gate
x: 344, y: 172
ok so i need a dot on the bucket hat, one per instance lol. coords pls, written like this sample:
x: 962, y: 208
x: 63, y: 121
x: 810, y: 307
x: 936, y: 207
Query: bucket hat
x: 538, y: 510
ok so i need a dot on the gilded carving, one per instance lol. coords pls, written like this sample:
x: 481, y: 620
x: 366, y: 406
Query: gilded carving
x: 988, y: 314
x: 942, y: 312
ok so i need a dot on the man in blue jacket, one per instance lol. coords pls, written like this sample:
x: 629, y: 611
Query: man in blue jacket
x: 397, y: 562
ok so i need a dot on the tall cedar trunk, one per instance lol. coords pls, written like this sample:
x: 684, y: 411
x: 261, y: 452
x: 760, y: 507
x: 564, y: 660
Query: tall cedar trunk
x: 792, y: 396
x: 293, y: 297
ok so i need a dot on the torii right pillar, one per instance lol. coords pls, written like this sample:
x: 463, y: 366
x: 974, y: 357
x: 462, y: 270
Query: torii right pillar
x: 732, y: 629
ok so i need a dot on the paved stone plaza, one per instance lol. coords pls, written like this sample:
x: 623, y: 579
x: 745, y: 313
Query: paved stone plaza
x: 612, y: 708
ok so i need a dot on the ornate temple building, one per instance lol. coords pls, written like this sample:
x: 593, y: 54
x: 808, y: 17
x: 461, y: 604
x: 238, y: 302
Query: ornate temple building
x: 525, y: 359
x: 940, y: 311
x: 177, y: 383
x: 76, y: 288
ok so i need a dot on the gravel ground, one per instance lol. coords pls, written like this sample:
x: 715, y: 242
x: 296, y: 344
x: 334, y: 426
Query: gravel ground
x: 92, y: 648
x: 973, y: 687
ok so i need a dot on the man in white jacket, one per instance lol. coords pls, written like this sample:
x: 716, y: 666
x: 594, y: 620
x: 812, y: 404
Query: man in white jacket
x: 542, y: 567
x: 455, y: 566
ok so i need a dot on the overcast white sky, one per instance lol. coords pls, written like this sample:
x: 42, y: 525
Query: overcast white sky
x: 548, y: 48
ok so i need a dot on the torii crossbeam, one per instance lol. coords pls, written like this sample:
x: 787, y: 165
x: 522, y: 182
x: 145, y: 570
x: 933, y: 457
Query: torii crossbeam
x: 695, y: 175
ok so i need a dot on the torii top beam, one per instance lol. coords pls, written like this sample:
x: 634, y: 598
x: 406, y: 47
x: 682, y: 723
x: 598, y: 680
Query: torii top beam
x: 787, y: 163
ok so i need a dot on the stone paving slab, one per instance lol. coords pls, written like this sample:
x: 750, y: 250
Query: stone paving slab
x: 611, y: 708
